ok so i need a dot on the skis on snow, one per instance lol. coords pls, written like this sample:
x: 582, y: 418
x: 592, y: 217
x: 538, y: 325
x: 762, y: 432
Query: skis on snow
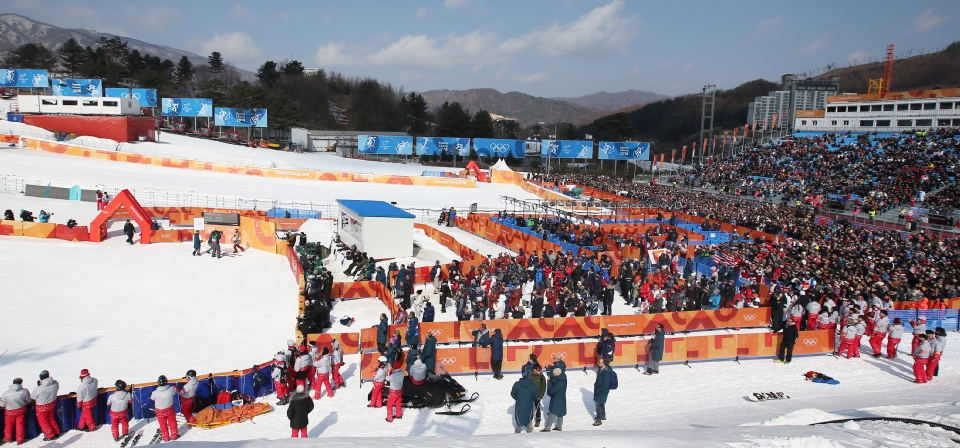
x: 136, y: 438
x: 156, y: 438
x: 768, y: 396
x: 463, y: 410
x: 130, y: 436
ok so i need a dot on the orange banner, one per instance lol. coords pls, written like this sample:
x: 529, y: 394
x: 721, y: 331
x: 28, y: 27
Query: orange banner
x: 258, y: 234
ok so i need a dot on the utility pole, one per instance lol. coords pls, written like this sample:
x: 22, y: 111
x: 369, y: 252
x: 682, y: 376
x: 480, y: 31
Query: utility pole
x: 709, y: 95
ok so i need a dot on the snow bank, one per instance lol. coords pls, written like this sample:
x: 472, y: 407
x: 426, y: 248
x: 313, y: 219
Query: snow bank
x: 23, y: 129
x: 800, y: 417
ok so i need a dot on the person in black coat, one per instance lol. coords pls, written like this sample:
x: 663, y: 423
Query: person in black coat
x: 496, y: 353
x: 128, y: 231
x: 790, y: 336
x: 429, y: 313
x: 778, y: 306
x: 298, y: 412
x: 536, y: 306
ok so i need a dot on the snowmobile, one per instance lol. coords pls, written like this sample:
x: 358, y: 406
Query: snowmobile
x: 437, y: 391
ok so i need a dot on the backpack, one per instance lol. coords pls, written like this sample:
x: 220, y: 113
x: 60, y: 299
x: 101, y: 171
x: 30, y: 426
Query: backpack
x: 614, y: 383
x: 260, y: 379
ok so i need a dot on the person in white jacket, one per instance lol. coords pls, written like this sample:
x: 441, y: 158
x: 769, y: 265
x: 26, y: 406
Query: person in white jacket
x: 500, y: 309
x: 86, y: 400
x: 379, y: 377
x: 813, y: 313
x: 395, y: 399
x: 336, y: 361
x: 118, y: 402
x: 527, y: 293
x: 880, y: 326
x: 894, y: 334
x: 163, y: 406
x: 323, y: 363
x: 187, y: 394
x: 418, y: 372
x: 15, y: 400
x: 45, y: 397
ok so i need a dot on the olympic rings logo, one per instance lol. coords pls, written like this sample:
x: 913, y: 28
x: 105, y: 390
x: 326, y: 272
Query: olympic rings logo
x: 750, y: 317
x: 562, y: 355
x: 436, y: 332
x: 448, y: 361
x: 810, y: 342
x: 499, y: 147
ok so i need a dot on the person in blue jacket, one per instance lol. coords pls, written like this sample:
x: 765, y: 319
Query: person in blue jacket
x: 44, y: 216
x: 413, y: 331
x: 196, y: 242
x: 429, y: 353
x: 525, y: 396
x: 601, y: 388
x: 412, y: 355
x: 383, y: 333
x: 715, y: 299
x: 451, y: 217
x: 429, y: 312
x: 607, y: 346
x: 381, y: 276
x: 496, y: 353
x: 655, y: 354
x: 557, y: 391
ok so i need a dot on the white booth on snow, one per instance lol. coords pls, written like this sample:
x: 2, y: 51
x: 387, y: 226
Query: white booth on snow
x: 377, y: 228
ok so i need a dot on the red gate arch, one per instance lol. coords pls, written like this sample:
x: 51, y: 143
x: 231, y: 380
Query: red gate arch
x: 123, y: 201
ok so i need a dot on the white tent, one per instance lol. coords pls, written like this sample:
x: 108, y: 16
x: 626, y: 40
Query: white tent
x: 501, y: 166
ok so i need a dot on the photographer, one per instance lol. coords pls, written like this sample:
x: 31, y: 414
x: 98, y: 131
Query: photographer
x: 44, y: 216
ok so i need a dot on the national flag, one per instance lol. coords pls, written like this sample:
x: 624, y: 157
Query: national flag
x: 724, y: 258
x: 724, y: 138
x: 683, y: 154
x: 775, y: 121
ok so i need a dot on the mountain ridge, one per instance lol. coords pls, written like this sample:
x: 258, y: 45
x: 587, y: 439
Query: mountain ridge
x: 614, y: 101
x: 525, y: 108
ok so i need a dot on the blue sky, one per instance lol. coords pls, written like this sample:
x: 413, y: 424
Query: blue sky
x: 545, y: 48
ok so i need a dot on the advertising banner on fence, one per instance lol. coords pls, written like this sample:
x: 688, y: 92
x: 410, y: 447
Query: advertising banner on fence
x: 187, y: 107
x: 567, y: 149
x: 443, y: 145
x: 147, y: 97
x: 24, y: 78
x: 624, y: 150
x: 383, y: 144
x: 494, y: 147
x: 229, y: 116
x: 77, y: 87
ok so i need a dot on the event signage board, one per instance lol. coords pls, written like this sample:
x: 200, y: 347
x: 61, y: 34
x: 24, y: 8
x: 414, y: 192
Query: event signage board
x: 187, y: 107
x: 567, y: 149
x: 77, y: 87
x: 229, y: 116
x: 24, y: 78
x: 625, y: 150
x: 385, y: 144
x: 147, y: 97
x: 443, y: 145
x: 495, y: 147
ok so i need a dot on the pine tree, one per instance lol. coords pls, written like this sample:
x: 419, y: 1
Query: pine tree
x: 72, y: 56
x: 293, y: 68
x: 481, y: 126
x: 416, y: 113
x: 453, y: 120
x: 30, y: 55
x: 267, y: 74
x: 215, y: 62
x: 184, y: 71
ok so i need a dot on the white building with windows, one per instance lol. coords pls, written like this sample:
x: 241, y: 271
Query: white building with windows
x: 889, y: 112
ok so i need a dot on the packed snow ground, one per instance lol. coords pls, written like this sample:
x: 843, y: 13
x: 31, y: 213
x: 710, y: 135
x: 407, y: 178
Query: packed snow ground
x: 135, y: 312
x: 67, y: 171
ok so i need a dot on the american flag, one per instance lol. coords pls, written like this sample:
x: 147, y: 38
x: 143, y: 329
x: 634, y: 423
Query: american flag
x: 724, y: 258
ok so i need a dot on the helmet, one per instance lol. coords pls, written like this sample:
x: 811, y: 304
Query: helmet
x: 120, y: 385
x: 382, y: 358
x: 162, y: 381
x: 191, y: 373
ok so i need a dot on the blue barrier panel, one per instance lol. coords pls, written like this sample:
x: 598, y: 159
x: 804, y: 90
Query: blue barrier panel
x: 294, y: 213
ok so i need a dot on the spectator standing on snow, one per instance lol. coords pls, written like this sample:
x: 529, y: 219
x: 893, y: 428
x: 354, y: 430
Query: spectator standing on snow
x: 919, y: 328
x: 128, y: 231
x: 236, y: 242
x: 196, y: 242
x: 937, y: 344
x: 299, y: 411
x: 435, y: 273
x: 86, y: 400
x: 162, y: 398
x: 279, y: 374
x: 324, y: 366
x: 790, y: 336
x: 336, y: 361
x: 383, y: 330
x: 655, y: 352
x: 536, y: 376
x: 921, y: 356
x: 99, y: 200
x: 880, y: 327
x: 601, y: 388
x: 395, y: 399
x: 379, y: 377
x: 215, y: 242
x: 118, y: 402
x: 451, y: 217
x: 524, y: 394
x: 187, y: 395
x: 557, y: 391
x: 15, y: 400
x: 45, y: 399
x: 496, y: 353
x: 894, y: 334
x: 607, y: 346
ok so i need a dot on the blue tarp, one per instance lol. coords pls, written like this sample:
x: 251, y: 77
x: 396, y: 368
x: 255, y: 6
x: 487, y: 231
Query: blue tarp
x: 294, y: 213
